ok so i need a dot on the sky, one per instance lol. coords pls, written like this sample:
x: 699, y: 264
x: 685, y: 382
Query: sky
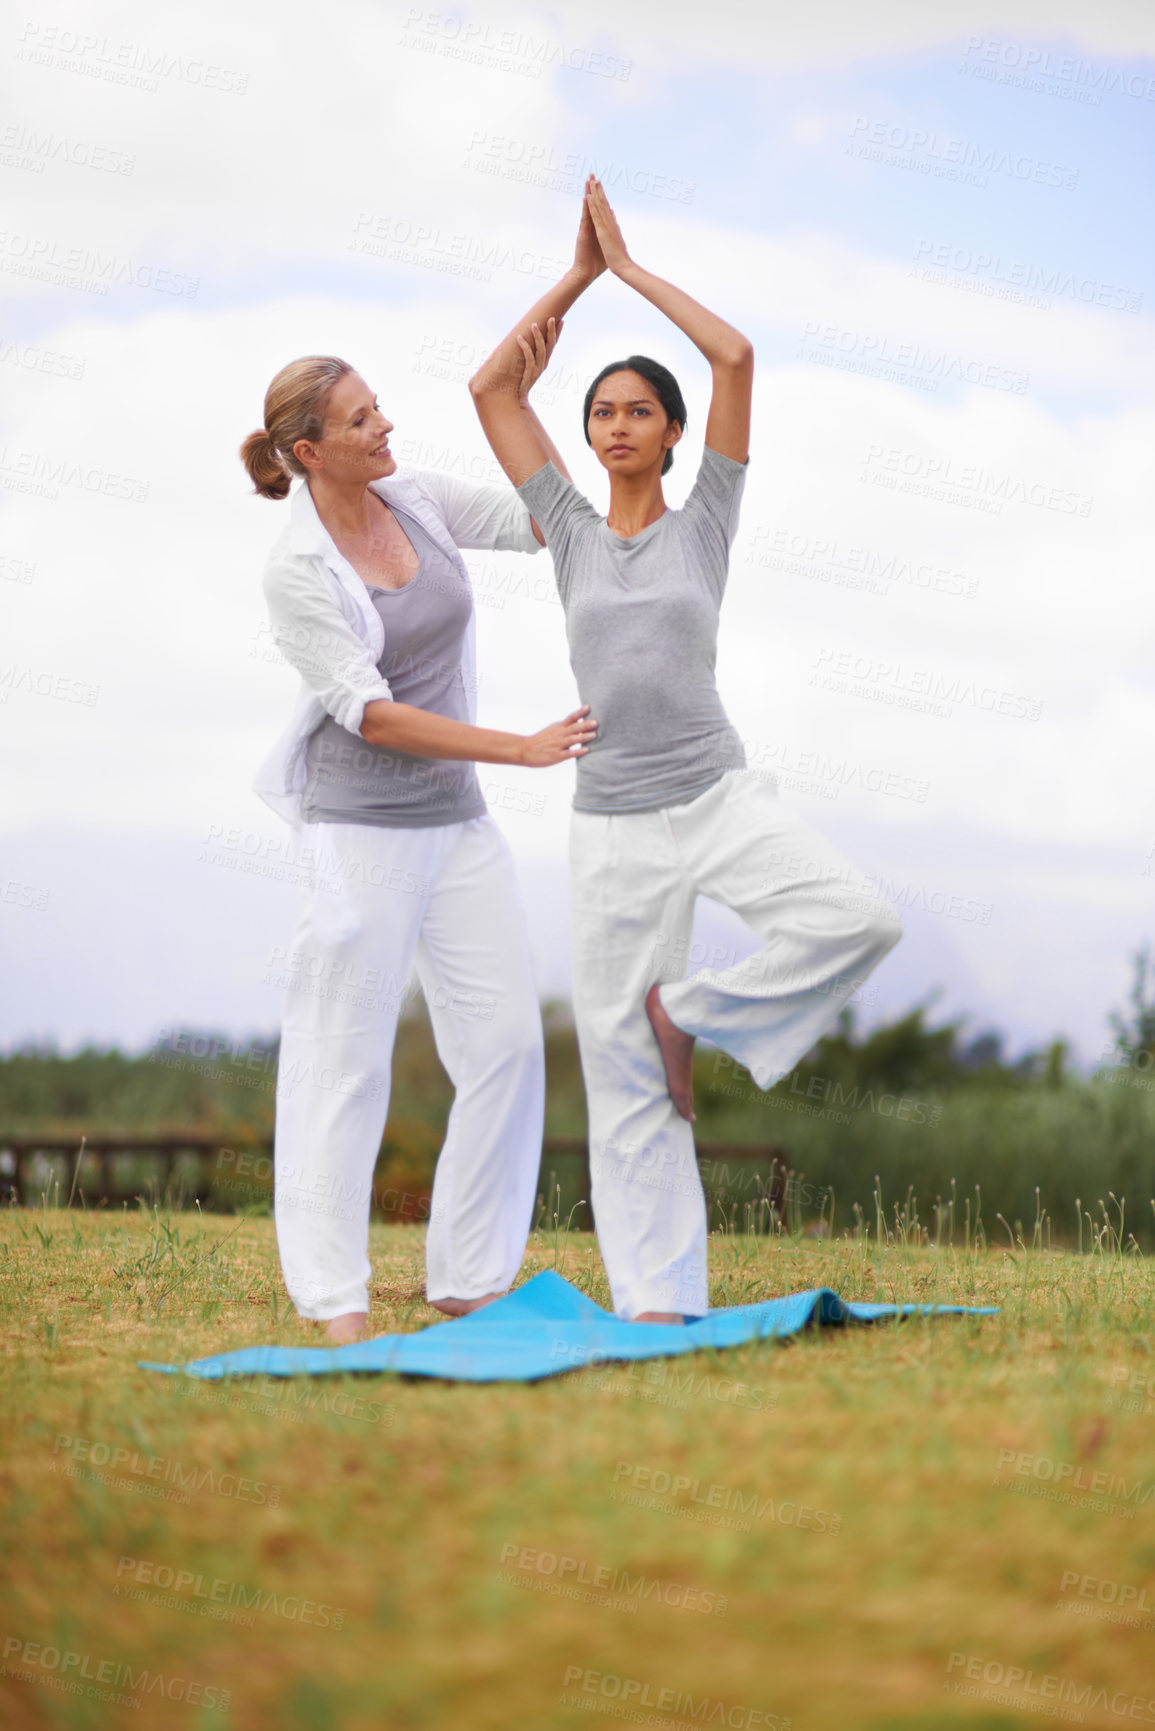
x: 932, y: 223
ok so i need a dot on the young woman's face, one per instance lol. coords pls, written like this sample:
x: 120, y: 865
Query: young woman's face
x: 629, y: 430
x: 354, y: 445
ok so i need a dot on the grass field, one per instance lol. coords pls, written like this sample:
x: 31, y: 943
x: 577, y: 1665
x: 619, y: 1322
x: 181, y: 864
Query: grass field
x: 916, y: 1525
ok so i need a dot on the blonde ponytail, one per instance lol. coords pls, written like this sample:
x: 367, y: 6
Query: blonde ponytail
x: 294, y: 409
x: 268, y: 474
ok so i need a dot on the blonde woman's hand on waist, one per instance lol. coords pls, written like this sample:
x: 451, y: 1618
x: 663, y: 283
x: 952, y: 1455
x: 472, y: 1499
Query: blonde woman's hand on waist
x: 565, y: 739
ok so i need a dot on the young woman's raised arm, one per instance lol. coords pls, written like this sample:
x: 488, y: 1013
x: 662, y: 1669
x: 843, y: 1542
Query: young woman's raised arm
x: 518, y: 439
x: 730, y: 354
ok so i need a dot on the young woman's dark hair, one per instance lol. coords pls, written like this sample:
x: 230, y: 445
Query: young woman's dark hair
x: 666, y: 389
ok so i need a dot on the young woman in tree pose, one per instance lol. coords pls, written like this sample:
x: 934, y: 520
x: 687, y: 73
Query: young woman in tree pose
x: 370, y: 600
x: 665, y: 809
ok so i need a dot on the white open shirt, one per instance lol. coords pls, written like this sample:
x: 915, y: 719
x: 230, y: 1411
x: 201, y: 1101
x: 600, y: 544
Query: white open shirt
x: 324, y: 622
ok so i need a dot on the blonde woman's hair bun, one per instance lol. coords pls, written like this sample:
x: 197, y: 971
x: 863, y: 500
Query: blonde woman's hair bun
x: 268, y: 474
x: 294, y: 409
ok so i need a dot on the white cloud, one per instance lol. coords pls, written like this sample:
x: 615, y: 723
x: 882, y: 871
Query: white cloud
x: 158, y: 602
x: 830, y: 32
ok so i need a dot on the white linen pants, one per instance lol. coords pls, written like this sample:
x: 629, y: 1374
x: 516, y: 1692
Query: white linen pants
x: 379, y: 900
x: 635, y: 878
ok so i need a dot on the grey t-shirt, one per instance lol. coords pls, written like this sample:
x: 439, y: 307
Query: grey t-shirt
x: 350, y: 781
x: 642, y: 621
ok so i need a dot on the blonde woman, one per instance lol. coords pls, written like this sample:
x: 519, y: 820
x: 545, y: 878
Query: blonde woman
x: 368, y: 597
x: 665, y: 808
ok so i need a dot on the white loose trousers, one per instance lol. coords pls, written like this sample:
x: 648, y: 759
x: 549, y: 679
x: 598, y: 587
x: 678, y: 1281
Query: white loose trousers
x: 377, y: 902
x: 635, y: 879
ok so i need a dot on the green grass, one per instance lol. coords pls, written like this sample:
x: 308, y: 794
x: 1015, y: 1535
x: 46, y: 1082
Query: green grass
x: 392, y: 1506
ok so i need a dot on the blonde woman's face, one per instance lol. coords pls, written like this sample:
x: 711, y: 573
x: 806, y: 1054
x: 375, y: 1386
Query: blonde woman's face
x: 355, y: 443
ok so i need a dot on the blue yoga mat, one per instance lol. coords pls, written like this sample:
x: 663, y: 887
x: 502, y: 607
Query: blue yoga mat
x: 546, y: 1327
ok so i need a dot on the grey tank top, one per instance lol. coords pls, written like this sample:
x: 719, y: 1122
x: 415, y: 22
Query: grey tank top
x: 350, y: 781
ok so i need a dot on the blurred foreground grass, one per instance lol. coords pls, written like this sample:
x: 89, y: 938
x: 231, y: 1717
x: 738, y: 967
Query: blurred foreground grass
x: 829, y: 1531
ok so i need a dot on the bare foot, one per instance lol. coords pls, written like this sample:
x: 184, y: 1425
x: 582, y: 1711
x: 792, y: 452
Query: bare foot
x: 677, y: 1049
x: 463, y: 1306
x: 344, y: 1329
x: 660, y: 1316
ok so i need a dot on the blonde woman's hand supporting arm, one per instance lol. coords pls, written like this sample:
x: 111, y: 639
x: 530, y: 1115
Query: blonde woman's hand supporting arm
x: 500, y: 387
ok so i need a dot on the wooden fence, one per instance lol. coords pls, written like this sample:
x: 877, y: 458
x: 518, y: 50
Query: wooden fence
x: 246, y: 1168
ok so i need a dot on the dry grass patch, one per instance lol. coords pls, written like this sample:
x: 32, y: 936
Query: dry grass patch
x: 806, y: 1530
